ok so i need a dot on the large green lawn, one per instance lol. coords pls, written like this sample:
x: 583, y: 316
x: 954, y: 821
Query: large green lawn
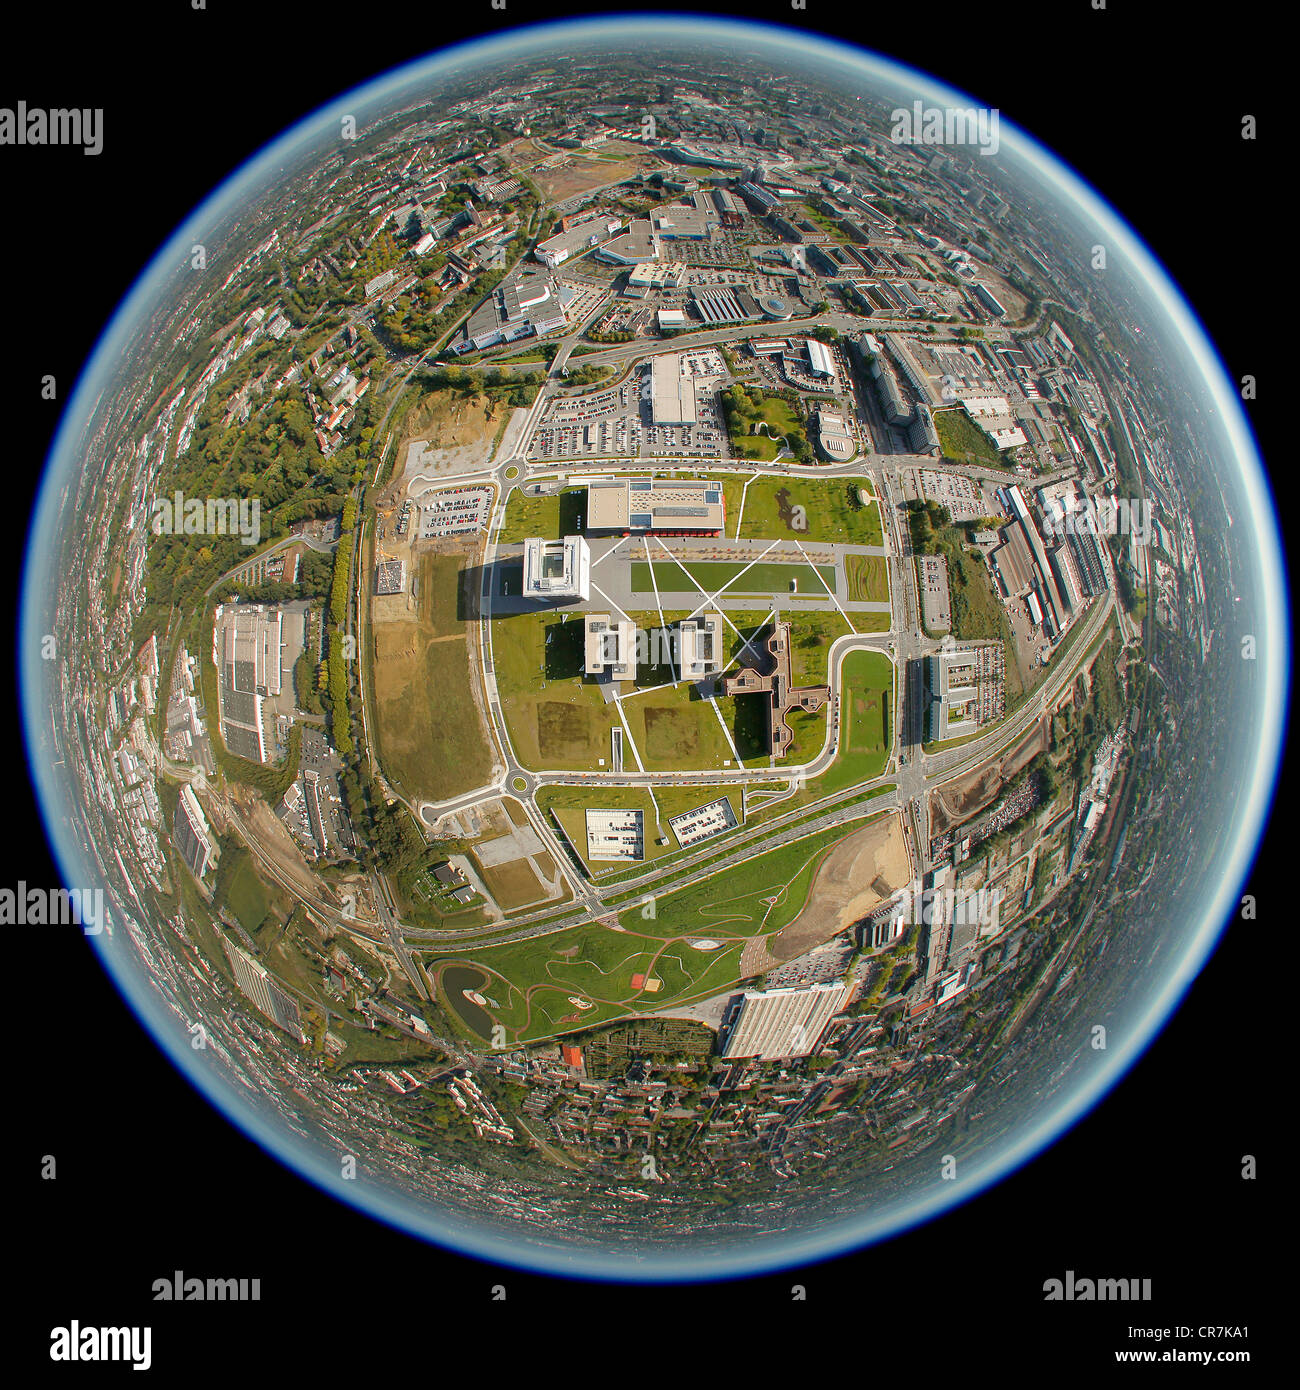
x: 759, y: 896
x: 556, y: 718
x: 832, y: 511
x: 866, y: 702
x: 549, y: 517
x: 781, y: 420
x: 711, y: 575
x: 533, y: 983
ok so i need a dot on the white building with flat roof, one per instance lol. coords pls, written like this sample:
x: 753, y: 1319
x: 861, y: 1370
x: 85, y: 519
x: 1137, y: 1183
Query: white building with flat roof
x: 672, y: 395
x: 615, y: 834
x: 701, y: 639
x: 557, y: 571
x: 609, y: 647
x: 820, y: 360
x: 674, y: 505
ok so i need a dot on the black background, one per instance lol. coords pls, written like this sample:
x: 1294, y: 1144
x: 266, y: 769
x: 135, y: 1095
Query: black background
x: 151, y: 1179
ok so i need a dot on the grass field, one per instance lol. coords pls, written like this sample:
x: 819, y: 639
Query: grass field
x: 513, y: 885
x: 428, y: 735
x: 867, y: 577
x: 555, y: 718
x: 533, y: 983
x: 711, y: 575
x: 960, y: 438
x: 548, y: 517
x: 570, y: 802
x: 866, y: 699
x: 831, y: 511
x: 573, y: 821
x: 246, y: 897
x: 761, y: 895
x: 811, y: 635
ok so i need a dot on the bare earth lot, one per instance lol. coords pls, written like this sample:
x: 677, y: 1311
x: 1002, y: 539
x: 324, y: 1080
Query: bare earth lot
x: 430, y: 737
x: 855, y: 877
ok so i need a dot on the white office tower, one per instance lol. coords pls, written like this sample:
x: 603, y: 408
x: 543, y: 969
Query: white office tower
x: 557, y: 571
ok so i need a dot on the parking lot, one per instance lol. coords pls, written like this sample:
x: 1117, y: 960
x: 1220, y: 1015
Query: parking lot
x: 585, y: 301
x: 616, y: 421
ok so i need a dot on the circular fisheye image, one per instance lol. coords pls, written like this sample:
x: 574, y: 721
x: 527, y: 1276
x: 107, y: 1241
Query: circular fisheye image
x: 617, y: 648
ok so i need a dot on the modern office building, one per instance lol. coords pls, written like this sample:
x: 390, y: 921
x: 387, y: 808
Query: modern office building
x: 557, y: 571
x: 783, y: 696
x: 701, y: 645
x: 609, y: 648
x: 967, y: 689
x: 777, y: 1023
x: 952, y: 695
x: 616, y: 834
x: 656, y: 506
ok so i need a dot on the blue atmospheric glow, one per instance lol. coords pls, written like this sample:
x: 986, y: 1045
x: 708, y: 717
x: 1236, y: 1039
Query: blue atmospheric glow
x: 1268, y: 581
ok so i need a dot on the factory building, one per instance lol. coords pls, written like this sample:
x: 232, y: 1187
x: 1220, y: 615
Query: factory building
x: 821, y: 361
x: 921, y: 433
x: 776, y: 1023
x: 634, y: 246
x: 525, y: 304
x: 190, y: 834
x: 988, y: 300
x: 256, y: 983
x: 559, y: 248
